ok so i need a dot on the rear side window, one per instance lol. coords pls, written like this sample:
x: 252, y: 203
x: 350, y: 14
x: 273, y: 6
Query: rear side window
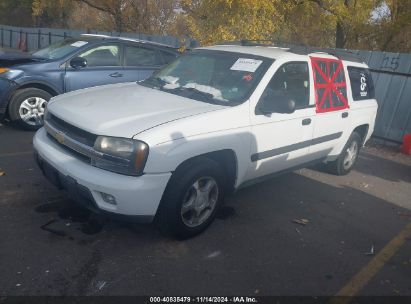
x: 137, y: 56
x: 362, y: 86
x: 330, y: 85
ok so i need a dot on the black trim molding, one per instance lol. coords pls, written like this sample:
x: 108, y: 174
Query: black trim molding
x: 293, y: 147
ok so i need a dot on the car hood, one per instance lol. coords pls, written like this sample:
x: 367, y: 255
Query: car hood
x: 124, y: 110
x: 11, y: 58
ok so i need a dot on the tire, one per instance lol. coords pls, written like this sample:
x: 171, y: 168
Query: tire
x: 26, y: 108
x: 344, y: 163
x: 175, y: 217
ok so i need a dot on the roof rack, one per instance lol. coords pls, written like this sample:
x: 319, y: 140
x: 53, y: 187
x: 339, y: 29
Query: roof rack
x: 340, y: 54
x: 129, y: 39
x: 300, y: 49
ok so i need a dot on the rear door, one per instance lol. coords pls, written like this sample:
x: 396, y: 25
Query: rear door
x: 140, y: 62
x: 332, y: 108
x: 103, y: 67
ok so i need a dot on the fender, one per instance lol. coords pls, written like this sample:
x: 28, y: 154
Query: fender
x: 27, y: 81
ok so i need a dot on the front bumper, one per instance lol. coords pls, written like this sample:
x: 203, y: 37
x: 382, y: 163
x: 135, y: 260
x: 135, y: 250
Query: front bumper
x: 137, y: 198
x: 6, y: 88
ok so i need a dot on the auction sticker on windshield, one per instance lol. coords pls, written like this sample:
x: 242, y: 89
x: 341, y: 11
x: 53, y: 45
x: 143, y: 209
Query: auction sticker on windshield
x: 79, y: 43
x: 246, y: 65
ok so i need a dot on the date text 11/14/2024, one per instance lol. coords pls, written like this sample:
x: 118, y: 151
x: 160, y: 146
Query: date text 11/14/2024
x: 203, y: 300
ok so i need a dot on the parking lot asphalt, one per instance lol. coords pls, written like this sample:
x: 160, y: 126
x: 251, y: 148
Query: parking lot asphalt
x: 357, y: 240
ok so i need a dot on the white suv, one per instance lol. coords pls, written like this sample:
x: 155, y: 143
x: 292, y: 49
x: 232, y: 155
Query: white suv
x: 216, y: 119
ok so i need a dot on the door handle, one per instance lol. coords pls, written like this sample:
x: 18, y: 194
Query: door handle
x: 116, y: 75
x: 306, y: 121
x: 344, y: 115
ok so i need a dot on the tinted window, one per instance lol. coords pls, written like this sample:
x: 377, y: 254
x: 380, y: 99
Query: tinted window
x: 291, y: 80
x: 136, y: 56
x: 106, y: 55
x: 362, y: 86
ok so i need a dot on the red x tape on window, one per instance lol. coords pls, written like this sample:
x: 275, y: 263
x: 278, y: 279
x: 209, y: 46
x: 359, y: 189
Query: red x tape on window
x: 330, y: 85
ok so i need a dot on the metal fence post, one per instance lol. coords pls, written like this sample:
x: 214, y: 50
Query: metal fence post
x: 2, y: 37
x: 26, y: 49
x: 11, y: 37
x: 49, y: 38
x: 39, y: 39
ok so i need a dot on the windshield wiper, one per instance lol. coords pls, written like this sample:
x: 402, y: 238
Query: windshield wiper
x: 156, y: 80
x: 198, y: 92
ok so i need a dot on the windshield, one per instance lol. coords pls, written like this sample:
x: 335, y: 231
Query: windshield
x: 211, y: 76
x: 60, y: 49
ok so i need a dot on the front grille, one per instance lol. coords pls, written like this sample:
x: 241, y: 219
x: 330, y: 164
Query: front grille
x: 71, y: 131
x: 76, y: 154
x: 77, y: 142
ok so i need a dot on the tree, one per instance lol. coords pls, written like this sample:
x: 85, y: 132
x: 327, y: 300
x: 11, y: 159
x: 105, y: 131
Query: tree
x: 211, y: 21
x: 392, y: 28
x: 52, y: 13
x: 116, y: 9
x: 16, y: 12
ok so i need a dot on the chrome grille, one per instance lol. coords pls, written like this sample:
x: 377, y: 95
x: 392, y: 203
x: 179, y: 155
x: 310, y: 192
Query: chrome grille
x: 72, y: 141
x: 73, y: 132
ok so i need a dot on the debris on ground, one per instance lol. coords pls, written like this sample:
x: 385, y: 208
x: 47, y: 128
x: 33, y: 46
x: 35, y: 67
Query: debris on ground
x: 2, y: 173
x: 214, y: 254
x: 101, y: 284
x: 301, y: 221
x: 371, y: 252
x: 298, y: 231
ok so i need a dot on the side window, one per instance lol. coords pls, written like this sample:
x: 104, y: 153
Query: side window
x: 106, y: 55
x: 168, y: 57
x: 292, y: 81
x: 362, y: 86
x: 137, y: 56
x: 329, y: 83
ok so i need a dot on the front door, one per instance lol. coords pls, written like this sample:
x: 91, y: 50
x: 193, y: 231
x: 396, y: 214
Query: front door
x: 103, y: 67
x: 281, y: 140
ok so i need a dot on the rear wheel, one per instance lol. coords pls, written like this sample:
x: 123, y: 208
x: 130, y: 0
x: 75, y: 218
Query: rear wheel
x: 27, y: 108
x: 191, y: 199
x: 348, y: 157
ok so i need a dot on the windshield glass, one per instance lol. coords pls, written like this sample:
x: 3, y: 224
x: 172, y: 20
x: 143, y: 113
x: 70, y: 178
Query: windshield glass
x: 60, y: 49
x: 211, y: 76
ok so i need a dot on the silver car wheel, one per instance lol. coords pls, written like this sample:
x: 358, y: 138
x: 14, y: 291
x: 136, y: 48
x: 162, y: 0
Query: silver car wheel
x: 351, y: 155
x: 32, y: 109
x: 199, y: 201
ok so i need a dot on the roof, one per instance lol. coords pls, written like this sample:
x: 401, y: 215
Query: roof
x: 264, y: 51
x: 276, y: 52
x: 127, y: 39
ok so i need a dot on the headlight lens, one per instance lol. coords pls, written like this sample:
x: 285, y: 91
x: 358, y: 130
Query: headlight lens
x: 120, y: 155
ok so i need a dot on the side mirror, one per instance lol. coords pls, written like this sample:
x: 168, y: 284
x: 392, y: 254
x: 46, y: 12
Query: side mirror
x: 278, y: 104
x: 78, y: 63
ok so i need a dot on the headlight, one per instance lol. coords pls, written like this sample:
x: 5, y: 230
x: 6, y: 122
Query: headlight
x: 120, y: 155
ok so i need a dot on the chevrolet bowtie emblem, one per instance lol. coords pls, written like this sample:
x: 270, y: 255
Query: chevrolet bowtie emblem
x: 60, y: 136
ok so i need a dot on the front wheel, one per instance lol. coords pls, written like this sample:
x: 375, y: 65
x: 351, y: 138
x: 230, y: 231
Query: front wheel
x: 348, y: 157
x: 191, y: 199
x: 27, y: 108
